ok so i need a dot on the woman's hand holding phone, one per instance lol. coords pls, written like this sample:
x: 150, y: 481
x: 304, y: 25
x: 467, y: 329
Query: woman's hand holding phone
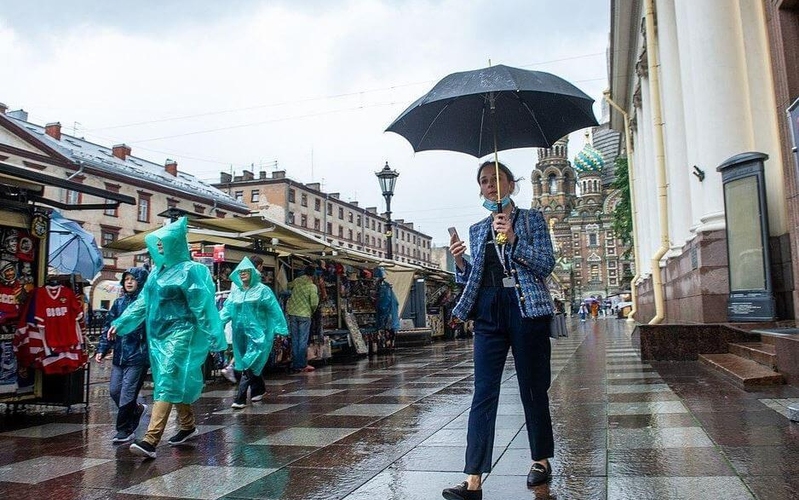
x: 457, y: 248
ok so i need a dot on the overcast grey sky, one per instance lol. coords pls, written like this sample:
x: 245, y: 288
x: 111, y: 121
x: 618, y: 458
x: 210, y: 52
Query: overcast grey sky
x: 309, y: 85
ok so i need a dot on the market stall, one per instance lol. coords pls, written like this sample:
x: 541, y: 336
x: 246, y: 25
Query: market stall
x: 44, y: 260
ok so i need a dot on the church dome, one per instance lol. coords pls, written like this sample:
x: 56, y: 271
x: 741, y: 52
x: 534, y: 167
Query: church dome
x: 589, y: 161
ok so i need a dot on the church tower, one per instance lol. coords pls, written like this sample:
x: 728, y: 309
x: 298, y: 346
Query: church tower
x: 554, y: 194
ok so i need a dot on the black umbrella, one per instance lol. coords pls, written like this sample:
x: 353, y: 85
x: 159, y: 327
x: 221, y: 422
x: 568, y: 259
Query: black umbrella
x: 493, y: 109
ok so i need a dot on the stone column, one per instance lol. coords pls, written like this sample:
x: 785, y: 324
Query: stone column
x: 678, y: 173
x: 714, y: 74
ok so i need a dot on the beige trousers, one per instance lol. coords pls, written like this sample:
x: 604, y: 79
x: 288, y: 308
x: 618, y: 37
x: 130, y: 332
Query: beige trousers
x: 160, y: 416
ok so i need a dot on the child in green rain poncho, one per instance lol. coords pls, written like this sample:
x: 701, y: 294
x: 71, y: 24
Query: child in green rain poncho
x: 177, y: 307
x: 256, y: 317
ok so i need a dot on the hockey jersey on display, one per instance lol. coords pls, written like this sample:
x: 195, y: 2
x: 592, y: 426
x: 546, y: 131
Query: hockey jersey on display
x: 48, y: 335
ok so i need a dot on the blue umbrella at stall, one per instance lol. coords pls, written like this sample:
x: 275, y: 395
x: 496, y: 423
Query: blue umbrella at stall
x: 72, y: 249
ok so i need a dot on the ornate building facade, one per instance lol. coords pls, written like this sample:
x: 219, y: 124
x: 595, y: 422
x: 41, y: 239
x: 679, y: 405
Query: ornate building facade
x: 577, y: 201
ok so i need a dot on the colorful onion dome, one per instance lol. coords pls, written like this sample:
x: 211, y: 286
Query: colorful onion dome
x: 589, y: 161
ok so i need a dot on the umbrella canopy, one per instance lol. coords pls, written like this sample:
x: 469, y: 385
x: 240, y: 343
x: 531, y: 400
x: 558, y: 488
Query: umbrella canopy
x: 73, y: 250
x: 493, y: 109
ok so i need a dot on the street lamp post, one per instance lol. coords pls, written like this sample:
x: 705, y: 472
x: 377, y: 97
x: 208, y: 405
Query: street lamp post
x: 387, y: 179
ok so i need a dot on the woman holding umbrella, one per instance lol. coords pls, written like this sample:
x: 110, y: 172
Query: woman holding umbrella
x: 506, y: 296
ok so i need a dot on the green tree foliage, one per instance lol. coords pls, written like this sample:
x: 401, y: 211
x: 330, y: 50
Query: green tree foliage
x: 623, y: 215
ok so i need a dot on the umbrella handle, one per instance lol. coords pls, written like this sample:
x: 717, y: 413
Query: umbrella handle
x: 501, y: 238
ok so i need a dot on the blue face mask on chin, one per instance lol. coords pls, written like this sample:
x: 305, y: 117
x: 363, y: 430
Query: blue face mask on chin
x: 493, y: 206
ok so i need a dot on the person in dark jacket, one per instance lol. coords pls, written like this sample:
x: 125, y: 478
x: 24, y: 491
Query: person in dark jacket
x: 130, y: 360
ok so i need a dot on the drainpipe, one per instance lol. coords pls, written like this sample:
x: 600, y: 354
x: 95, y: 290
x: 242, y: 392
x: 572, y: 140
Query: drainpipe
x: 631, y: 181
x: 652, y: 49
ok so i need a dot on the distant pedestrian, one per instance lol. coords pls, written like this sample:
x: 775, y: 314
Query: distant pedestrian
x: 300, y: 307
x: 256, y: 317
x: 583, y: 312
x: 130, y: 360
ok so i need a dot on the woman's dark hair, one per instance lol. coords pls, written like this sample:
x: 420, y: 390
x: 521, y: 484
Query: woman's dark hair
x: 502, y: 168
x: 256, y: 260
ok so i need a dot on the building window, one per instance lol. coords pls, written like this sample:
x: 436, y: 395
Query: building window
x: 239, y: 195
x: 111, y: 211
x: 304, y: 199
x: 553, y: 184
x: 255, y: 196
x: 349, y: 216
x: 220, y: 214
x: 329, y: 209
x: 349, y: 234
x: 594, y: 272
x: 106, y: 238
x: 373, y: 224
x: 379, y: 228
x: 291, y: 218
x: 340, y: 213
x: 304, y: 220
x: 329, y: 228
x: 592, y: 240
x: 341, y: 231
x: 291, y: 196
x: 317, y: 204
x: 199, y: 208
x: 73, y: 197
x: 144, y: 209
x: 358, y: 237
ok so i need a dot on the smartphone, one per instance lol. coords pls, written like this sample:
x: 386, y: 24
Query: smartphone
x: 453, y: 233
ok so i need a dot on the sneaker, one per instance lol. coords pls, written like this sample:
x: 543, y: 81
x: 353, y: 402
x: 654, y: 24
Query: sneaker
x: 182, y: 436
x: 140, y: 409
x: 123, y: 437
x: 227, y: 372
x: 258, y: 397
x: 308, y: 369
x: 238, y: 406
x: 143, y: 449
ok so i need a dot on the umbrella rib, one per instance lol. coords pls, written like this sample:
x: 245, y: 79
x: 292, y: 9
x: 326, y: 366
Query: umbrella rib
x: 535, y: 120
x: 432, y: 122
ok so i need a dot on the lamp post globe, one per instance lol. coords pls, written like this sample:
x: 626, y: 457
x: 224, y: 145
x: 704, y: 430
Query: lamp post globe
x: 387, y: 179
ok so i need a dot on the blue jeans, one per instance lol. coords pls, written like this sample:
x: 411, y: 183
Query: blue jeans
x: 299, y: 329
x: 126, y: 382
x: 499, y: 326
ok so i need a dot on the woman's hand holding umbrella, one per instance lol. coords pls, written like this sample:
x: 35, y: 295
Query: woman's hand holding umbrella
x: 503, y: 226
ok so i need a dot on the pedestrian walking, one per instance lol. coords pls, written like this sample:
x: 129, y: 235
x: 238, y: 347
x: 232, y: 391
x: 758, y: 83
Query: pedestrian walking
x: 130, y: 359
x: 300, y: 306
x: 506, y: 295
x: 255, y: 316
x: 583, y: 312
x: 386, y: 306
x: 177, y: 306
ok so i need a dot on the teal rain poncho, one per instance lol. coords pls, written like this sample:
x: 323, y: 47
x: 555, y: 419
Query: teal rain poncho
x: 177, y: 307
x: 256, y: 318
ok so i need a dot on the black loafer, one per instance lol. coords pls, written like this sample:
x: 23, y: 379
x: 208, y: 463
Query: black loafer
x: 461, y: 492
x: 538, y: 474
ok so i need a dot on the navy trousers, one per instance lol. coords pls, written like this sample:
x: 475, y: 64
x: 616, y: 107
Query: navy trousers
x: 499, y: 326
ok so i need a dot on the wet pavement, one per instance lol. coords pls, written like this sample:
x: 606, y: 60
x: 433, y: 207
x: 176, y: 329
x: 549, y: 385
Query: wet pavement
x: 394, y: 427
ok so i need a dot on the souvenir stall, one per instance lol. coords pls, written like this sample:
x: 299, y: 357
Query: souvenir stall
x: 42, y: 257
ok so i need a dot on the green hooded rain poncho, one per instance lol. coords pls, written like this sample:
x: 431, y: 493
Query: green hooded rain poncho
x: 178, y: 309
x: 256, y: 318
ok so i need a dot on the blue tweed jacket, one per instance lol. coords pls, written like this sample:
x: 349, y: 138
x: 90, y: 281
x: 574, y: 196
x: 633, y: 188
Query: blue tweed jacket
x: 531, y: 257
